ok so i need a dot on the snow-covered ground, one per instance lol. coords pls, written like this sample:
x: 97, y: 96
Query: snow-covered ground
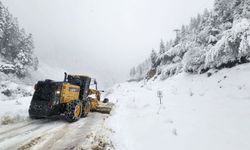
x: 13, y: 111
x: 198, y: 112
x: 56, y: 134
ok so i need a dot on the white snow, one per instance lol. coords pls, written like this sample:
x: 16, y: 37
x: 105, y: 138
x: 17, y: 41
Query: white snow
x: 14, y: 110
x: 198, y: 112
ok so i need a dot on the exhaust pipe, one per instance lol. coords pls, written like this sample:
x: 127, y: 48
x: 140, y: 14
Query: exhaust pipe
x: 65, y: 76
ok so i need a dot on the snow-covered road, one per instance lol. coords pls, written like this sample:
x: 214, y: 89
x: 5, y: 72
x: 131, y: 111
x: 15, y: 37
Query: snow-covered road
x: 53, y: 133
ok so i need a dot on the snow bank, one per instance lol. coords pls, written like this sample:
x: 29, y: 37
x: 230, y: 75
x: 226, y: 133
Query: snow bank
x: 14, y: 111
x: 10, y: 90
x: 198, y: 112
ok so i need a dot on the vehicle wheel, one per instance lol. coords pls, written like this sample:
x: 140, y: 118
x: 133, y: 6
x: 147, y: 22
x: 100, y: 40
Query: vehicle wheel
x: 86, y: 109
x: 73, y: 111
x: 106, y: 100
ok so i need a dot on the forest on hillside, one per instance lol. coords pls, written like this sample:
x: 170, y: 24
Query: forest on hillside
x: 215, y: 39
x: 16, y: 46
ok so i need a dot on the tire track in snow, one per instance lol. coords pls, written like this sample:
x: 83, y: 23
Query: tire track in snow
x: 15, y: 128
x: 19, y: 133
x: 49, y: 134
x: 73, y: 135
x: 23, y: 129
x: 11, y: 139
x: 44, y: 138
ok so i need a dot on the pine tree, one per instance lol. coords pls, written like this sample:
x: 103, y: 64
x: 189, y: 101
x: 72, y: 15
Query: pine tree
x: 246, y: 9
x: 162, y: 47
x: 237, y: 7
x: 169, y: 44
x: 2, y: 20
x: 244, y: 49
x: 206, y: 14
x: 223, y: 10
x: 153, y: 58
x: 132, y: 72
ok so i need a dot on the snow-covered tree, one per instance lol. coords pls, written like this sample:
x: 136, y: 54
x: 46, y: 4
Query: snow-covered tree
x: 162, y: 47
x: 16, y: 46
x: 139, y: 72
x: 223, y: 10
x: 246, y: 9
x: 169, y: 44
x: 153, y: 58
x: 194, y: 60
x: 237, y: 7
x: 132, y: 72
x: 215, y: 39
x: 244, y: 49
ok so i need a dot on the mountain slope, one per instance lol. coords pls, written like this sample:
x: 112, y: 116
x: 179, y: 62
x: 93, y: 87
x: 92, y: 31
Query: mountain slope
x: 198, y: 112
x: 215, y: 39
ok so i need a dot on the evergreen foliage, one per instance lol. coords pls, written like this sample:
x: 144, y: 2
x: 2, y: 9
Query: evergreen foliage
x: 214, y: 39
x: 16, y: 47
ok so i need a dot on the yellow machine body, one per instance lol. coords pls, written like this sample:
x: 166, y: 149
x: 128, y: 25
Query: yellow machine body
x: 71, y: 97
x: 69, y: 93
x: 94, y: 98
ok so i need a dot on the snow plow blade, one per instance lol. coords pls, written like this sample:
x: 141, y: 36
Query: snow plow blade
x: 104, y: 108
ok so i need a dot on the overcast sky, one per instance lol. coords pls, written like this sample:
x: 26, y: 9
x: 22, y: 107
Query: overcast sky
x: 102, y: 38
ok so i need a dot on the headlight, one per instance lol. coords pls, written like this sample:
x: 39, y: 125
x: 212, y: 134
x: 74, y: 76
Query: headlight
x: 55, y: 102
x: 58, y: 92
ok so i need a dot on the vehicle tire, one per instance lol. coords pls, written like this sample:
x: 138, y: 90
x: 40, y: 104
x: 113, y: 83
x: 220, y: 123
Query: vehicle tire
x: 86, y: 109
x: 73, y: 111
x: 106, y: 100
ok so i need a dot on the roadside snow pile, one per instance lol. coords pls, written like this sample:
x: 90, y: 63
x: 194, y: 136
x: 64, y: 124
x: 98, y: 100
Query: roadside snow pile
x: 11, y: 86
x: 14, y: 111
x: 208, y: 112
x: 12, y: 118
x: 10, y: 90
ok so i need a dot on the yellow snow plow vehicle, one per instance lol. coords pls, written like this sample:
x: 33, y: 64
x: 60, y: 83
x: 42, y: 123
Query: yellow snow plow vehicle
x: 96, y: 104
x: 72, y: 98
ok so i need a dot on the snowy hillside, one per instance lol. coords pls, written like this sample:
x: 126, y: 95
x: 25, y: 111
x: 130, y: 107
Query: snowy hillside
x: 215, y: 39
x: 199, y: 112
